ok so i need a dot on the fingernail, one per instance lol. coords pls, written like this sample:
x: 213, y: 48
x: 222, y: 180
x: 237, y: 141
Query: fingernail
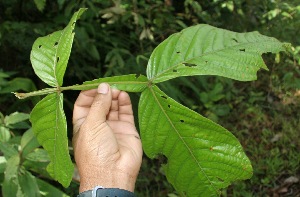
x: 103, y: 88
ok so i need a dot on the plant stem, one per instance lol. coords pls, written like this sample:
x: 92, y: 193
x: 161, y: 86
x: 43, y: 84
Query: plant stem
x: 59, y: 89
x: 36, y: 93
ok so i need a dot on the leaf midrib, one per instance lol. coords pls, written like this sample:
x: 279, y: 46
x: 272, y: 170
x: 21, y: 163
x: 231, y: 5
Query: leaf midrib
x: 204, y: 54
x: 55, y: 58
x: 56, y: 125
x: 189, y: 149
x: 117, y: 82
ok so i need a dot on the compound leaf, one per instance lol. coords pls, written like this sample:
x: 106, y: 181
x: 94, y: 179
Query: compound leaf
x: 129, y: 83
x: 203, y: 157
x: 50, y: 54
x: 50, y: 128
x: 207, y: 50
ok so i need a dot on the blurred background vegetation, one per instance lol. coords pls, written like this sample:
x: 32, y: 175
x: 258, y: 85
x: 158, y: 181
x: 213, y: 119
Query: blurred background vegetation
x: 116, y: 37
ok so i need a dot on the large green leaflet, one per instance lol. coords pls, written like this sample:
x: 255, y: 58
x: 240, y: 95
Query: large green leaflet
x: 50, y: 54
x: 202, y: 156
x: 50, y: 128
x: 207, y: 50
x: 49, y: 58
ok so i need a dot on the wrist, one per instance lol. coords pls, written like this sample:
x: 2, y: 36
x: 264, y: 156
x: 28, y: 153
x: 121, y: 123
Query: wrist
x: 107, y: 179
x: 108, y: 192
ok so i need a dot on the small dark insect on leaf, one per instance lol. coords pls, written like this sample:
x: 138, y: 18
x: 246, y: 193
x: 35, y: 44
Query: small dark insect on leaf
x: 189, y: 65
x: 174, y: 70
x: 235, y: 40
x: 181, y: 120
x: 243, y: 50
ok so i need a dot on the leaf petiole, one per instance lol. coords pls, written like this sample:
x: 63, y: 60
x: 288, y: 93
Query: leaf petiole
x: 85, y: 86
x: 22, y: 95
x: 55, y: 89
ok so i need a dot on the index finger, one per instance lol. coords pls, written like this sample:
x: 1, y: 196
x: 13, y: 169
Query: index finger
x: 125, y: 108
x: 83, y: 104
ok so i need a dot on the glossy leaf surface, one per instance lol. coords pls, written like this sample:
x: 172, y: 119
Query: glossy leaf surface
x: 203, y: 157
x: 50, y: 128
x: 50, y: 54
x: 129, y: 83
x: 207, y: 50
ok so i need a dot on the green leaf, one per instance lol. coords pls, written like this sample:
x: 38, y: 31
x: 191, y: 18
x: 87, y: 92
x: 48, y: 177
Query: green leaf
x: 207, y: 50
x: 4, y: 75
x: 50, y: 128
x: 16, y: 84
x: 37, y: 162
x: 15, y: 117
x: 18, y: 181
x: 50, y: 54
x: 28, y: 184
x: 38, y: 155
x: 28, y: 142
x: 48, y: 190
x: 8, y: 150
x: 130, y: 83
x: 10, y: 185
x: 40, y: 4
x: 2, y: 164
x: 4, y: 134
x: 203, y: 157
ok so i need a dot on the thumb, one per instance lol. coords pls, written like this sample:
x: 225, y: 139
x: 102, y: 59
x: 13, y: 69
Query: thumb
x: 101, y: 104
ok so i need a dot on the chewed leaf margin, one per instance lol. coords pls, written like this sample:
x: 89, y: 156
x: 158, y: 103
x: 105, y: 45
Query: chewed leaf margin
x: 207, y: 50
x: 50, y: 54
x: 50, y: 128
x: 203, y: 157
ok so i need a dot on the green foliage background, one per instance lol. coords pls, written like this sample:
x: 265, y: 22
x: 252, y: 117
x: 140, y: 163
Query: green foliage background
x: 117, y: 38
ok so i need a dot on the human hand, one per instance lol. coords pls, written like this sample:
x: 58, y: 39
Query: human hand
x: 107, y: 148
